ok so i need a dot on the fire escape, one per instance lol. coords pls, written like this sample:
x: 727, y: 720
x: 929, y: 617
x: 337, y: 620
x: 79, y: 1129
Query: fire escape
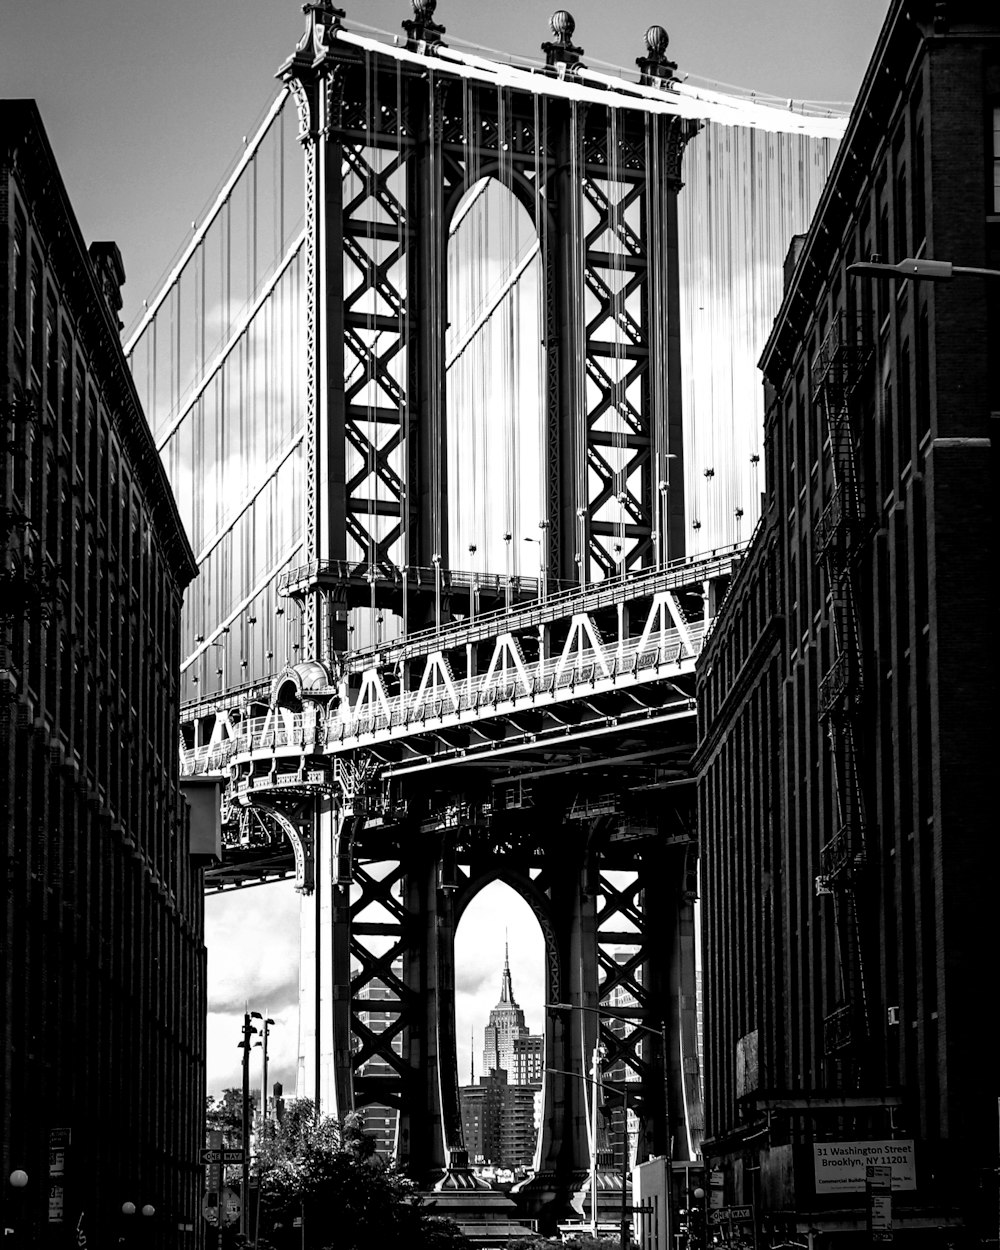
x: 840, y: 534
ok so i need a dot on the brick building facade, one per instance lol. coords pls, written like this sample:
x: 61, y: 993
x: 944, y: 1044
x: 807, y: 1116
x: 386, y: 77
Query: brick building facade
x: 846, y: 695
x: 102, y: 1040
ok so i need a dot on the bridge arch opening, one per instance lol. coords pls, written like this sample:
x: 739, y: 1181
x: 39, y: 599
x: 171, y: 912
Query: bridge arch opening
x: 495, y: 363
x: 500, y: 992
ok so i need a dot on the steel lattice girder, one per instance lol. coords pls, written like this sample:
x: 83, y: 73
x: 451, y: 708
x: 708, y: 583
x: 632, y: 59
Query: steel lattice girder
x: 406, y: 139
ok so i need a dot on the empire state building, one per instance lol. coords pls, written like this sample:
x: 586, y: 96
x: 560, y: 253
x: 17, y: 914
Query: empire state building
x: 508, y: 1044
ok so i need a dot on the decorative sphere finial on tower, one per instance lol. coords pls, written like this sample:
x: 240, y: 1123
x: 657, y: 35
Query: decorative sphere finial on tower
x: 561, y: 53
x: 657, y: 41
x: 654, y: 67
x: 563, y: 25
x: 423, y: 34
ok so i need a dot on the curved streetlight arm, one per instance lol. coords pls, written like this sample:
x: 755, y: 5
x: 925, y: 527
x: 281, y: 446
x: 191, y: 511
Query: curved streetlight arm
x: 911, y: 269
x: 609, y: 1013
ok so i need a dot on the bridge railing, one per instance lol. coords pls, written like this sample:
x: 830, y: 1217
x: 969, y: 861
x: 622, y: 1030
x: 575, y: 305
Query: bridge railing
x: 547, y: 679
x: 561, y: 603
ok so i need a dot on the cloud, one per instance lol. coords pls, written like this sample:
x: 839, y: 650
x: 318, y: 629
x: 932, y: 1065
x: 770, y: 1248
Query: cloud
x: 253, y: 941
x: 253, y: 960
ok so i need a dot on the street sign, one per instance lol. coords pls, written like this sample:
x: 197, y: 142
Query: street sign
x: 224, y: 1155
x: 231, y: 1206
x: 878, y: 1181
x: 223, y: 1207
x: 59, y: 1141
x: 723, y: 1215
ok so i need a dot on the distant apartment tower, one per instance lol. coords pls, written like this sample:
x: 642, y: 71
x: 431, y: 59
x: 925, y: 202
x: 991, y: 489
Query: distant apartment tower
x: 622, y: 1131
x: 481, y: 1108
x: 527, y: 1060
x: 102, y: 1039
x: 377, y: 1119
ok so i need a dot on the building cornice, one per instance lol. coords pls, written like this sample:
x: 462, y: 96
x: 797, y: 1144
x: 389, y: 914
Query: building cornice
x: 33, y: 166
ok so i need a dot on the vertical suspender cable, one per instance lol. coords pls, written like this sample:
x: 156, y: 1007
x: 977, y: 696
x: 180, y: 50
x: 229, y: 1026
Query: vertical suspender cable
x: 541, y: 233
x: 370, y: 167
x: 578, y: 419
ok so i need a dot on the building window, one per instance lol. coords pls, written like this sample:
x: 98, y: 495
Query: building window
x: 919, y: 191
x: 996, y: 158
x: 882, y: 249
x: 20, y: 273
x: 904, y: 432
x: 923, y: 378
x: 899, y: 209
x: 51, y: 350
x: 35, y: 315
x: 886, y: 466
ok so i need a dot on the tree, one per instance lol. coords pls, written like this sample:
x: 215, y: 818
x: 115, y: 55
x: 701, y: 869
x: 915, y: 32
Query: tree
x: 572, y: 1241
x: 587, y: 1241
x: 323, y: 1186
x: 225, y: 1115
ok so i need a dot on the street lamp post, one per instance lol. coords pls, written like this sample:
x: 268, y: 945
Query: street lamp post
x: 596, y: 1085
x: 661, y: 1033
x: 266, y: 1022
x: 18, y: 1181
x: 148, y: 1211
x: 128, y: 1211
x: 245, y: 1045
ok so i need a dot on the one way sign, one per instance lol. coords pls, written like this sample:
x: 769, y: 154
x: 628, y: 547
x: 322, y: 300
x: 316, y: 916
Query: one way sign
x: 225, y: 1155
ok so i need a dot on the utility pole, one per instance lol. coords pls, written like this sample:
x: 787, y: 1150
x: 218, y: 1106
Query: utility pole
x: 245, y: 1045
x: 265, y: 1021
x: 595, y: 1089
x: 625, y: 1230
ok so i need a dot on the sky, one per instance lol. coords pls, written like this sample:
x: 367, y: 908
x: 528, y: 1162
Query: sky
x: 146, y: 105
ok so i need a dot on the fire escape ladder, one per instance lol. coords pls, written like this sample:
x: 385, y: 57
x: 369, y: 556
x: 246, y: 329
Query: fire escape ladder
x: 836, y: 372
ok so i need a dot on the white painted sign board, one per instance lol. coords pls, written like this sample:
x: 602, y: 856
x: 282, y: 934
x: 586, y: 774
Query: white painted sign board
x: 841, y: 1166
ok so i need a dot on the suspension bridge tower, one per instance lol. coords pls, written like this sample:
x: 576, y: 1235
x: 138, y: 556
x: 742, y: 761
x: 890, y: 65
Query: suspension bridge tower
x: 489, y: 281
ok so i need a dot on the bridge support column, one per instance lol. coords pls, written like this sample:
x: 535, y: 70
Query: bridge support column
x: 430, y: 1130
x: 324, y: 1072
x: 562, y: 1154
x: 669, y: 975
